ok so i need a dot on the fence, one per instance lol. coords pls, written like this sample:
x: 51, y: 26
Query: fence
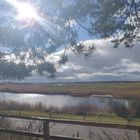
x: 46, y: 134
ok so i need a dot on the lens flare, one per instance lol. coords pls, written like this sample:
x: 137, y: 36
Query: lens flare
x: 25, y: 10
x: 28, y: 15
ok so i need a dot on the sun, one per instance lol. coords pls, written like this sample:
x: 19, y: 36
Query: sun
x: 26, y: 11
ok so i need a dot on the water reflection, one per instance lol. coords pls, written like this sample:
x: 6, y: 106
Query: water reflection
x: 56, y: 100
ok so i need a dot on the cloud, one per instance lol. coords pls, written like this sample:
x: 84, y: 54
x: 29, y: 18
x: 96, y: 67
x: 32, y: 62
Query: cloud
x: 125, y: 66
x: 106, y: 64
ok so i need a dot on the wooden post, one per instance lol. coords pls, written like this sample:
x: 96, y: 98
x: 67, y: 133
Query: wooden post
x: 139, y: 133
x: 46, y: 130
x: 84, y: 117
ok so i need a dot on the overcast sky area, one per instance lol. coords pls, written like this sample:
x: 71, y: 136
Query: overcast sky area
x: 106, y: 64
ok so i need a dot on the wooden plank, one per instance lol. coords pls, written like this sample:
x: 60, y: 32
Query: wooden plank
x: 64, y: 138
x: 38, y: 135
x: 75, y: 122
x: 24, y: 133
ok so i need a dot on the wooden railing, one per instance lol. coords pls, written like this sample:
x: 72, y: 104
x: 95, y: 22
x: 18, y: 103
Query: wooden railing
x: 46, y: 134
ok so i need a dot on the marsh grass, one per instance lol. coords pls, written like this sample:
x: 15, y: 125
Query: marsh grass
x: 121, y: 90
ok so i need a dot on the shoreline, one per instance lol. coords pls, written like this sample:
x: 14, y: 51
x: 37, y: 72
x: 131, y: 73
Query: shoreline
x: 67, y: 94
x: 74, y: 95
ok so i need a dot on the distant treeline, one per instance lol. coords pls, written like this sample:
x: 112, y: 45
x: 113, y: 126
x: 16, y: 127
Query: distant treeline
x: 129, y: 110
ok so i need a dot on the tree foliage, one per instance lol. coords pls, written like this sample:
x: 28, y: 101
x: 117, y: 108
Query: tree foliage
x: 134, y: 106
x: 120, y: 109
x: 58, y: 26
x: 10, y: 70
x: 131, y: 110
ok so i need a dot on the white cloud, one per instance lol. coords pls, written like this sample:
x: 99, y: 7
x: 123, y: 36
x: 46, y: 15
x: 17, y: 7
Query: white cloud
x: 125, y: 67
x: 69, y: 66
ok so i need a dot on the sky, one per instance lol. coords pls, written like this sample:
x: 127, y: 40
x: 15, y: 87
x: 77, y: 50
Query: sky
x: 105, y: 64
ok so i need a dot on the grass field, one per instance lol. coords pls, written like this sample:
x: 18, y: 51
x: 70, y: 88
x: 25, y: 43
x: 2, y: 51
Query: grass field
x: 118, y: 89
x: 108, y: 118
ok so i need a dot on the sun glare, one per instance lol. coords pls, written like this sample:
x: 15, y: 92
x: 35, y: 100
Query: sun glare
x: 27, y: 15
x: 24, y: 9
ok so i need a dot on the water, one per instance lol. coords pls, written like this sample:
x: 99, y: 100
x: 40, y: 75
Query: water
x: 56, y: 100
